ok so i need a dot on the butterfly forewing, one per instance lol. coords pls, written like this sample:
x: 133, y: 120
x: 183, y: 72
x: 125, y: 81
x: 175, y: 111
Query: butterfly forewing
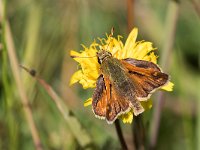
x: 147, y: 77
x: 99, y: 98
x: 107, y: 103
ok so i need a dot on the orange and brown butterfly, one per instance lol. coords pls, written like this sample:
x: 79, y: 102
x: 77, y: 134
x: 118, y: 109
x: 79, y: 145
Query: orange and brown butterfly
x: 124, y: 76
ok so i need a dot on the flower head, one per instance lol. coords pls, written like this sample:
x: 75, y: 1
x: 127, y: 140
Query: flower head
x: 90, y: 68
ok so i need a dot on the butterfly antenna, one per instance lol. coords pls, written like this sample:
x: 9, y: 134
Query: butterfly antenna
x: 73, y: 56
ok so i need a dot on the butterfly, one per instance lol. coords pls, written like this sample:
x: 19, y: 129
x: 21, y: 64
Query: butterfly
x: 122, y: 84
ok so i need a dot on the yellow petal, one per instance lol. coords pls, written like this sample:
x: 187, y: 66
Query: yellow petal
x: 146, y: 104
x: 87, y: 83
x: 128, y: 117
x: 76, y: 77
x: 89, y: 65
x: 74, y: 54
x: 151, y: 57
x: 141, y: 50
x: 88, y: 102
x: 112, y: 45
x: 130, y: 43
x: 168, y: 87
x: 116, y: 48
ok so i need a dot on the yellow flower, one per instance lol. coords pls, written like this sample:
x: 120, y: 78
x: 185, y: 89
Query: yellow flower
x: 89, y: 72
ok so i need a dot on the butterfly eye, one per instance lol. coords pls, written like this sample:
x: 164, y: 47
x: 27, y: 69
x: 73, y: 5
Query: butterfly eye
x: 102, y: 54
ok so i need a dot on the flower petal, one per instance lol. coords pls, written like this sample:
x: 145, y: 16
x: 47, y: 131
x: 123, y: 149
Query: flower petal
x: 130, y: 43
x: 76, y: 77
x: 128, y: 117
x: 168, y: 87
x: 74, y: 53
x: 140, y: 50
x: 112, y: 45
x: 88, y: 102
x: 151, y: 57
x: 87, y: 82
x: 82, y: 79
x: 90, y: 67
x: 146, y: 104
x: 117, y: 47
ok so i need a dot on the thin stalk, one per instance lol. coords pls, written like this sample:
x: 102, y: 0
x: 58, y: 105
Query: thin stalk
x: 120, y: 135
x: 7, y: 103
x: 130, y: 14
x: 20, y: 87
x: 139, y: 133
x: 16, y: 73
x: 196, y: 6
x: 198, y: 107
x: 76, y: 128
x: 172, y: 18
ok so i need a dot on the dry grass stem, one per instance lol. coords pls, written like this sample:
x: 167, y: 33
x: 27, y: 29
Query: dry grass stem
x: 20, y: 87
x: 77, y: 130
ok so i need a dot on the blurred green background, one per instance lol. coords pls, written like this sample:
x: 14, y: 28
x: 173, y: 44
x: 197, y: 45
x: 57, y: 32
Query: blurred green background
x: 45, y: 31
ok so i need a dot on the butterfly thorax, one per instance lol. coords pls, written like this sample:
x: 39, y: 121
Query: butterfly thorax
x: 103, y: 55
x: 117, y: 74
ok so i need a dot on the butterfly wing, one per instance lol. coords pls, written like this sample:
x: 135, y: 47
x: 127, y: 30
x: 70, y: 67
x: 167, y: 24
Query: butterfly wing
x: 107, y: 103
x: 99, y: 98
x: 147, y: 77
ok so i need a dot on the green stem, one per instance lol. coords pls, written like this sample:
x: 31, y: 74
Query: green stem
x: 198, y: 107
x: 120, y: 135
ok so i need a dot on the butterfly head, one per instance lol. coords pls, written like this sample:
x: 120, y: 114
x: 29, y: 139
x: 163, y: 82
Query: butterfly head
x: 102, y: 55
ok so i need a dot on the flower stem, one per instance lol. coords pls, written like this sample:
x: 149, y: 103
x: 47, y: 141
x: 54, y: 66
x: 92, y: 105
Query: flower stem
x: 120, y: 135
x: 138, y: 133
